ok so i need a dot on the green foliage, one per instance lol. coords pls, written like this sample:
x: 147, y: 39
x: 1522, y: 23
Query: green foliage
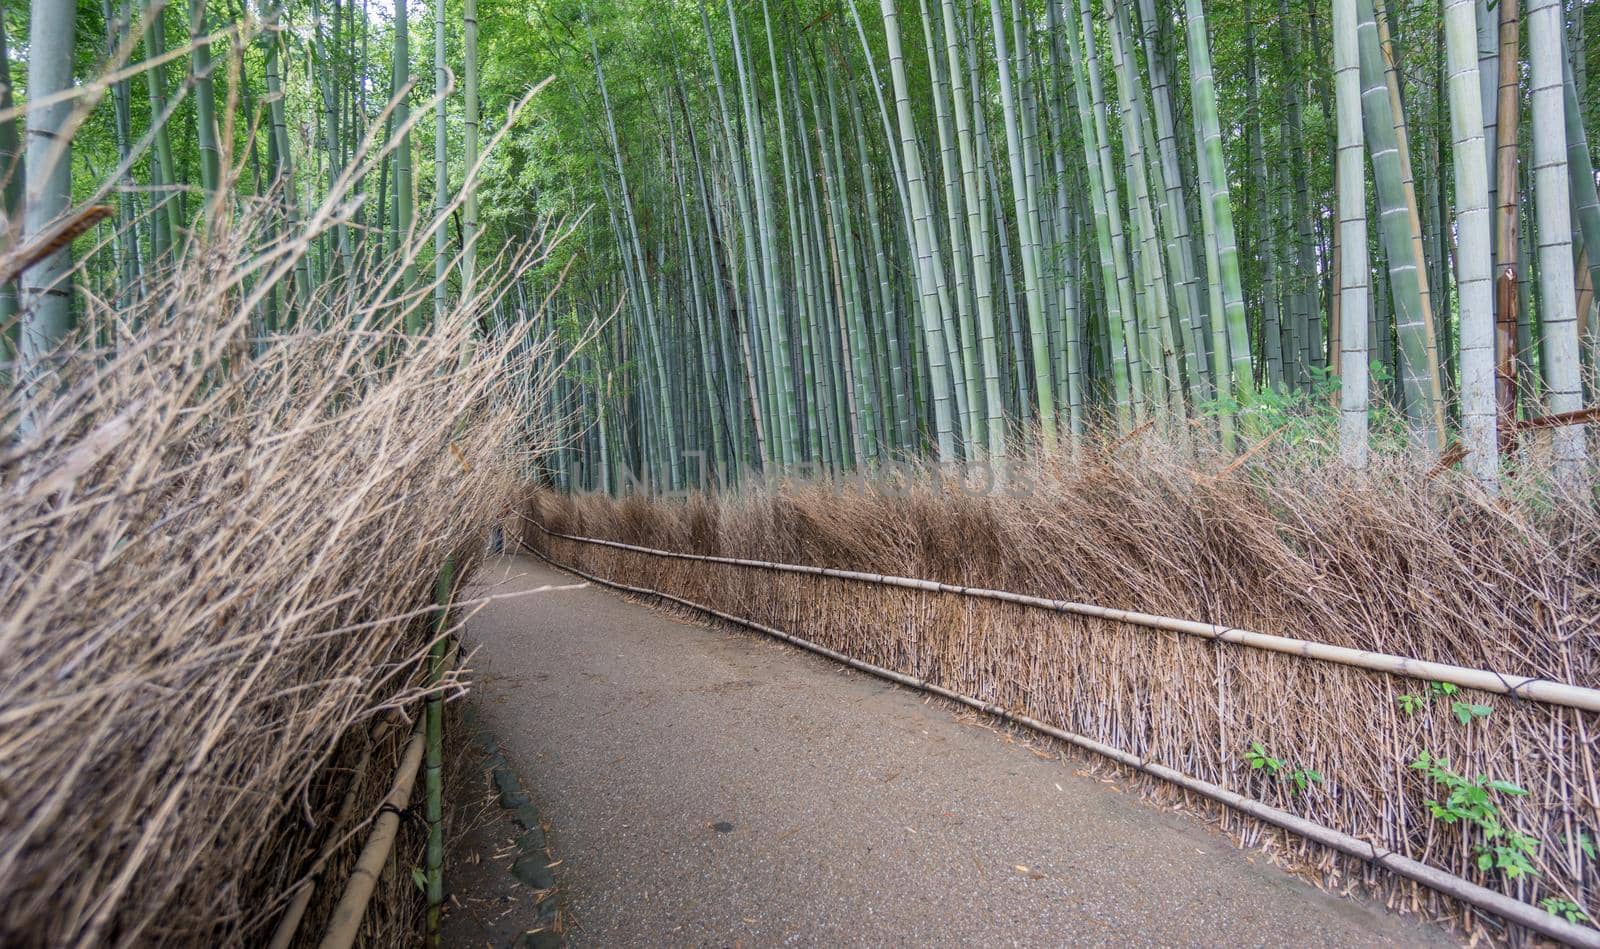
x: 1303, y: 778
x: 1465, y: 712
x: 1565, y: 908
x: 1259, y: 760
x: 1472, y: 804
x: 1586, y: 844
x: 1306, y: 421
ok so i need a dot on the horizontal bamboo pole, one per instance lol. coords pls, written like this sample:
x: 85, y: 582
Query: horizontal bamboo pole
x: 1507, y: 908
x: 289, y: 924
x: 345, y: 924
x: 346, y: 921
x: 1524, y: 687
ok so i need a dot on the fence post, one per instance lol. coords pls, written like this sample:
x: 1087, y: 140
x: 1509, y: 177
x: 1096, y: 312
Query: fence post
x: 434, y: 768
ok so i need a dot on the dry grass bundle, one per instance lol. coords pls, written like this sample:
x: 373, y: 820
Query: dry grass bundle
x: 216, y: 556
x: 1388, y: 560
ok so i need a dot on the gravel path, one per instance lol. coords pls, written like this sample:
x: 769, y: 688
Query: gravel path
x: 707, y: 787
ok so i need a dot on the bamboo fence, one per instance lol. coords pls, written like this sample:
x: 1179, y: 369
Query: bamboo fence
x: 1179, y: 700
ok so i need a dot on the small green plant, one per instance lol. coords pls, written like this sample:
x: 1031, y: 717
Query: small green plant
x: 1472, y: 804
x: 1259, y: 760
x: 1465, y: 712
x: 1565, y: 908
x: 1303, y: 778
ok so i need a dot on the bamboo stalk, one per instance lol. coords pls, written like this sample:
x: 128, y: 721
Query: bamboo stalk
x: 289, y: 923
x: 346, y: 921
x: 345, y: 924
x: 434, y: 774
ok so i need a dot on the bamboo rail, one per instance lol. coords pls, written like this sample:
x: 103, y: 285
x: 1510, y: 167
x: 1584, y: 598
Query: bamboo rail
x: 289, y: 924
x: 1510, y: 909
x: 345, y: 923
x: 1533, y: 688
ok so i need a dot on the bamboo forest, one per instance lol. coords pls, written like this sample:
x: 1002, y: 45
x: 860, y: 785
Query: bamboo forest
x: 842, y: 234
x: 836, y: 234
x: 774, y: 472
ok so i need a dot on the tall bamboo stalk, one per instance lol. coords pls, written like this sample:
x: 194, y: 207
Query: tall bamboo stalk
x: 46, y: 297
x: 1352, y: 217
x: 922, y: 238
x: 12, y: 173
x: 1033, y: 287
x: 1209, y: 133
x: 1553, y: 205
x: 1474, y: 285
x: 1381, y: 125
x: 433, y: 766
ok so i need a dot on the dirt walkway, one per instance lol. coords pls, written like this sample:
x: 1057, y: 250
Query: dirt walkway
x: 709, y: 787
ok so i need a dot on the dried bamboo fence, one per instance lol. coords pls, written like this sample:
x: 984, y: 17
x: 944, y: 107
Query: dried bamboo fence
x: 1185, y: 701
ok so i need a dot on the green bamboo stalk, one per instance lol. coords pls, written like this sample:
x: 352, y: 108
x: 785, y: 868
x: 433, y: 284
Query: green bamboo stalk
x: 921, y: 236
x: 843, y: 244
x: 1580, y: 171
x: 1169, y: 182
x: 13, y: 170
x: 633, y: 252
x: 787, y: 416
x: 404, y: 205
x: 900, y: 403
x: 46, y: 288
x: 965, y: 368
x: 1558, y: 317
x: 325, y: 75
x: 1474, y: 258
x: 1260, y: 212
x: 1032, y: 287
x: 163, y: 170
x: 1417, y: 373
x: 204, y: 99
x: 1414, y: 219
x: 1124, y: 371
x: 470, y: 118
x: 1302, y: 282
x: 1352, y: 244
x: 1063, y: 271
x: 1209, y: 134
x: 993, y: 223
x: 758, y: 356
x: 1131, y: 96
x: 433, y: 767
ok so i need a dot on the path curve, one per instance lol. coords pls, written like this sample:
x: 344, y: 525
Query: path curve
x: 715, y: 787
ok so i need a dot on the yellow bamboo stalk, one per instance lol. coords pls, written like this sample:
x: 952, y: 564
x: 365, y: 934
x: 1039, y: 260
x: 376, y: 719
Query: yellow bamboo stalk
x: 347, y: 916
x: 346, y: 921
x: 289, y: 924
